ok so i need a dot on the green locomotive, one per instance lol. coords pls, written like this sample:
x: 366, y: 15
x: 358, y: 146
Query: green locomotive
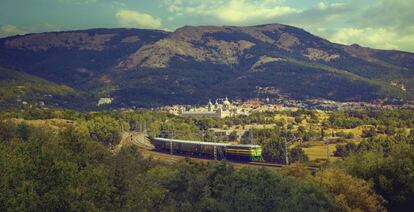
x: 216, y: 150
x: 250, y: 152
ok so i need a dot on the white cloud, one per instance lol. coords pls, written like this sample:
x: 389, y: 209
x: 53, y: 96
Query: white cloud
x: 131, y: 18
x: 325, y: 6
x: 232, y: 11
x: 397, y: 13
x: 240, y: 11
x: 8, y: 30
x: 382, y: 38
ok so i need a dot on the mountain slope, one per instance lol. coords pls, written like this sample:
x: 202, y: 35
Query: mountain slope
x: 75, y: 57
x: 18, y: 89
x: 191, y: 64
x: 266, y: 60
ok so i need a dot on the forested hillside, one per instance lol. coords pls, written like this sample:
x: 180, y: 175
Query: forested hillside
x: 66, y: 160
x: 19, y: 88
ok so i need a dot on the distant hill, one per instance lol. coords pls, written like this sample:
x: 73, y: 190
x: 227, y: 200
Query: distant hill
x: 17, y: 89
x: 151, y: 67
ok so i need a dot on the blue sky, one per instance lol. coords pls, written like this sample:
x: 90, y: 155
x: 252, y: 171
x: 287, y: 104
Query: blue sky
x: 384, y: 24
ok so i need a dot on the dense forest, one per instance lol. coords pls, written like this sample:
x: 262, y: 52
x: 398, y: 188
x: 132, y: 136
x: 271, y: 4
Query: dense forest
x: 80, y: 165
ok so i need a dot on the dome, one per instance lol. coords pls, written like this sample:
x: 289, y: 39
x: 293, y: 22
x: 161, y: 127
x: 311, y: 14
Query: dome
x: 226, y: 101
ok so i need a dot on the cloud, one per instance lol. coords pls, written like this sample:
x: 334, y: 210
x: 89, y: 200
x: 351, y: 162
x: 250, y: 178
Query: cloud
x: 8, y: 30
x: 321, y: 15
x: 245, y: 12
x: 383, y: 24
x: 382, y: 38
x: 231, y: 11
x: 328, y: 6
x: 396, y: 13
x: 237, y: 11
x: 131, y: 18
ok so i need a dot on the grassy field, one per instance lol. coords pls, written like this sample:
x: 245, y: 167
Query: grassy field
x: 316, y: 151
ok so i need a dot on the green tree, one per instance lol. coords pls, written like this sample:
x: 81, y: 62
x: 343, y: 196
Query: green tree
x: 298, y: 155
x: 392, y: 175
x: 345, y: 150
x: 274, y: 151
x: 105, y: 129
x: 351, y: 194
x: 233, y: 136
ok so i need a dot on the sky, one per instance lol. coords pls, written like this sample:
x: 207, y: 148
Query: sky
x: 383, y: 24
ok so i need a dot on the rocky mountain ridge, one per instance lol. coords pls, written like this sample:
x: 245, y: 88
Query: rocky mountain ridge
x: 152, y: 67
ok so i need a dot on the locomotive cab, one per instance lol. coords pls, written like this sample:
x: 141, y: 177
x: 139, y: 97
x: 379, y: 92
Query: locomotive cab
x: 244, y: 152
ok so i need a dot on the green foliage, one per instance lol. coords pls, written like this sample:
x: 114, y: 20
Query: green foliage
x: 273, y: 146
x: 49, y: 171
x: 69, y: 171
x: 18, y: 87
x: 351, y: 193
x: 345, y: 150
x: 73, y: 168
x: 339, y: 119
x: 233, y: 136
x: 298, y: 155
x: 105, y: 129
x: 349, y: 135
x: 221, y: 188
x: 274, y: 151
x: 386, y: 119
x: 392, y: 175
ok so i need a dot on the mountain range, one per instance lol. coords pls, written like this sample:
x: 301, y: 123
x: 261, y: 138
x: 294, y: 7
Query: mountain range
x: 147, y: 68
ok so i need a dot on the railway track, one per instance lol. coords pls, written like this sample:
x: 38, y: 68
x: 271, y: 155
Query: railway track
x: 277, y: 165
x: 167, y: 157
x: 266, y: 164
x: 139, y: 140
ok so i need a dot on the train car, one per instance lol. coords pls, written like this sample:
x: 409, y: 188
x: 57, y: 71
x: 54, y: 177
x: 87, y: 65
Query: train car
x: 244, y: 152
x: 216, y: 150
x: 192, y: 147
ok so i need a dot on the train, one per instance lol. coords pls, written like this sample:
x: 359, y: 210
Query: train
x: 245, y: 152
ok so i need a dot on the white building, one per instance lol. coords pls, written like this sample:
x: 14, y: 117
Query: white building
x: 220, y: 109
